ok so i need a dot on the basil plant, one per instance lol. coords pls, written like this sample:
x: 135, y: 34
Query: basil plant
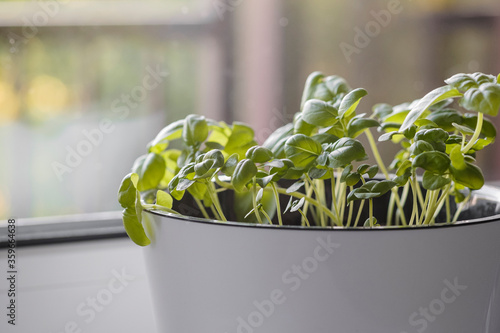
x: 316, y: 163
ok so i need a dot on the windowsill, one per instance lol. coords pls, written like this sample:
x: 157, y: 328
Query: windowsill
x: 58, y: 229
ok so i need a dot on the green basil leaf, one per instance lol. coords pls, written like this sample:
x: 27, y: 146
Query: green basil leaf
x: 230, y: 165
x: 409, y: 133
x: 431, y: 181
x: 435, y: 136
x: 388, y: 136
x: 324, y: 138
x: 488, y: 130
x: 371, y: 189
x: 302, y: 150
x: 352, y: 179
x: 275, y: 164
x: 171, y: 132
x: 403, y: 167
x: 358, y: 125
x: 470, y: 176
x: 259, y: 154
x: 283, y: 132
x: 240, y: 140
x: 130, y: 199
x: 296, y: 205
x: 389, y: 127
x: 315, y: 173
x: 243, y: 174
x: 397, y: 116
x: 481, y: 144
x: 319, y: 113
x: 134, y: 227
x: 457, y: 158
x: 313, y: 80
x: 403, y: 179
x: 214, y: 145
x: 345, y: 151
x: 420, y: 146
x: 177, y: 195
x: 362, y: 168
x: 184, y: 184
x: 372, y: 171
x: 204, y: 169
x: 434, y: 161
x: 295, y: 187
x: 199, y: 191
x: 259, y: 195
x: 435, y: 96
x: 281, y: 171
x: 300, y: 126
x: 151, y: 170
x: 445, y: 118
x: 350, y: 102
x: 127, y: 194
x: 425, y: 123
x: 371, y: 222
x: 164, y: 199
x: 382, y: 187
x: 346, y: 172
x: 464, y: 129
x: 216, y: 156
x: 195, y: 130
x: 464, y: 82
x: 382, y: 110
x: 264, y: 181
x: 336, y: 85
x: 484, y: 99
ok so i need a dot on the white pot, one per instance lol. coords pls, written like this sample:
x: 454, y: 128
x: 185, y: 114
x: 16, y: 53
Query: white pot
x: 211, y: 277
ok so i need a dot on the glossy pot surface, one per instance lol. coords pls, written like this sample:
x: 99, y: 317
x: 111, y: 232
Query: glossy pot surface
x: 211, y: 277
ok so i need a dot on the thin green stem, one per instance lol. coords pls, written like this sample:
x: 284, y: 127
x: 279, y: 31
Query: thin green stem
x: 278, y: 206
x: 316, y: 193
x: 360, y: 210
x: 390, y: 209
x: 254, y: 200
x: 202, y: 208
x: 414, y: 213
x: 376, y: 154
x: 343, y: 190
x: 421, y: 199
x: 215, y: 200
x: 160, y: 208
x: 448, y: 210
x: 214, y: 211
x: 381, y: 166
x: 314, y: 202
x: 371, y: 212
x: 460, y: 208
x: 351, y: 208
x: 334, y: 197
x: 432, y: 207
x: 307, y: 203
x: 305, y: 217
x: 476, y: 134
x: 424, y: 208
x: 441, y: 200
x: 263, y: 211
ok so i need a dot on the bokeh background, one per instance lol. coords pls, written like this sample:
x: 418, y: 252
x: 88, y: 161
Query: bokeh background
x: 76, y: 76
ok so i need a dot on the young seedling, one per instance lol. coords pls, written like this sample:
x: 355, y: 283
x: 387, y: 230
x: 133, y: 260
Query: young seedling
x: 319, y: 156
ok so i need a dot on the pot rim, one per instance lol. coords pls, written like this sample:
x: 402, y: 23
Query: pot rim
x: 486, y: 192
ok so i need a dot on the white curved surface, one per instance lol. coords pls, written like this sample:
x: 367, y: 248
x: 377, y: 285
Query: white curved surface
x: 216, y: 278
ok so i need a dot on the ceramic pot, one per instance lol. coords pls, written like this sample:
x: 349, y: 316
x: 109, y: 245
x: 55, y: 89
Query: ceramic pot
x: 213, y: 277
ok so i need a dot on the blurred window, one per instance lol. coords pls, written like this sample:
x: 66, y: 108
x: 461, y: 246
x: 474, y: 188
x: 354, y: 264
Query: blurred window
x: 84, y: 85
